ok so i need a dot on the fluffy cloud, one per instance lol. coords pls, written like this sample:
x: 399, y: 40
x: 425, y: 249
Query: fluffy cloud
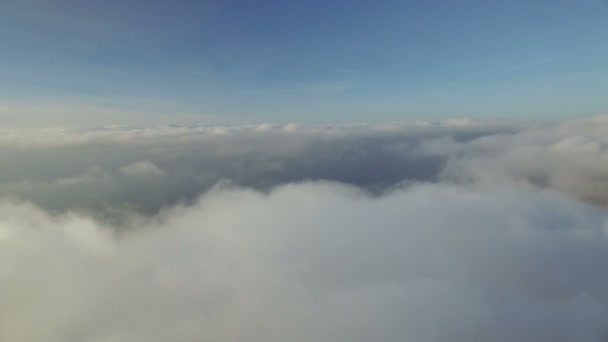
x: 457, y: 230
x: 570, y: 157
x: 315, y: 261
x: 146, y: 169
x: 142, y: 169
x: 52, y: 167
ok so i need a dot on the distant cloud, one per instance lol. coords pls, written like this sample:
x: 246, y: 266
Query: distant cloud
x: 536, y: 62
x: 328, y: 87
x: 150, y: 168
x: 100, y: 112
x: 317, y: 88
x: 91, y: 175
x: 142, y: 169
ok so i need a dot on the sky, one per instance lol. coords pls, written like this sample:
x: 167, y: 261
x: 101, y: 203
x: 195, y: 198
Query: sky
x: 334, y: 171
x: 312, y: 170
x: 89, y: 63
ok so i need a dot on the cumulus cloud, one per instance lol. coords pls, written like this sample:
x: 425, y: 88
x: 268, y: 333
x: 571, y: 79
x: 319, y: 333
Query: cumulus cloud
x: 570, y: 157
x: 142, y: 169
x: 44, y: 166
x: 315, y: 261
x: 459, y: 230
x: 146, y: 169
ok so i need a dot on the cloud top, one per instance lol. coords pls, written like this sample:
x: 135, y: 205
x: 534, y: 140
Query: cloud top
x: 314, y: 261
x: 146, y: 169
x: 458, y: 230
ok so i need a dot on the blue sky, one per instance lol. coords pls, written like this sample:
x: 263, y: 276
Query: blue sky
x: 160, y: 61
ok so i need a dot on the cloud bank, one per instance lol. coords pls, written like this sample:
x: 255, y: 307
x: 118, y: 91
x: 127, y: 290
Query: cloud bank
x: 314, y: 261
x: 146, y: 169
x: 427, y: 231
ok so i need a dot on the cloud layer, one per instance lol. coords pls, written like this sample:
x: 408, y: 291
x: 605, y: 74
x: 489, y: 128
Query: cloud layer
x: 430, y: 231
x: 147, y: 169
x: 314, y: 261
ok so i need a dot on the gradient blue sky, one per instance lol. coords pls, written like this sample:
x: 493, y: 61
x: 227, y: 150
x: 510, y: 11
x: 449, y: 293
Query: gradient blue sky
x: 160, y: 61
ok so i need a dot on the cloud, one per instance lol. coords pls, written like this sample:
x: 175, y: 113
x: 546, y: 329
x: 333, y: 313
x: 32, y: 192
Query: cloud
x: 94, y: 174
x: 319, y: 88
x: 142, y: 169
x: 105, y: 110
x: 570, y: 157
x: 42, y: 163
x: 313, y: 261
x: 147, y: 169
x: 459, y: 230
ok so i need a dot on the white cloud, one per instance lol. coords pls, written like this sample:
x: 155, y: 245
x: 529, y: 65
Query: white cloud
x: 316, y: 261
x: 181, y: 162
x: 459, y: 230
x: 142, y: 169
x: 192, y: 159
x: 93, y: 174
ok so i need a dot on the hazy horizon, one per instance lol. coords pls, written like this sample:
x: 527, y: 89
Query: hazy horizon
x: 295, y: 171
x: 68, y: 62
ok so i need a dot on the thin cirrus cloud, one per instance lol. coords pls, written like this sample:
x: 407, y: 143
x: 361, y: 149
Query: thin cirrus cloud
x: 453, y: 230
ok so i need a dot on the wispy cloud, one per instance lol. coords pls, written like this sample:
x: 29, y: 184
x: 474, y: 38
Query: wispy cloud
x: 94, y: 113
x: 504, y: 68
x: 312, y: 88
x: 536, y: 62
